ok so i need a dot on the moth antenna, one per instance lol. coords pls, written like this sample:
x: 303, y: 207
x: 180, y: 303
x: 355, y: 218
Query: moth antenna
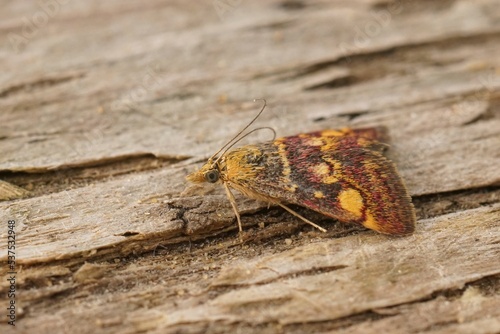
x: 242, y: 130
x: 242, y: 137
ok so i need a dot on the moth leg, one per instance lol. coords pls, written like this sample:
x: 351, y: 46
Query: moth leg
x: 232, y: 200
x: 299, y: 216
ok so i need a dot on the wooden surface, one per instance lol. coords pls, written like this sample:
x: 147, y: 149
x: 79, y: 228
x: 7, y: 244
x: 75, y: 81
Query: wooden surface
x: 106, y: 106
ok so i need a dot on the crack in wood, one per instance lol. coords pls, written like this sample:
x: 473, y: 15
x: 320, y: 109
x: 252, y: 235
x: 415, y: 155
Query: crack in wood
x: 358, y: 62
x: 40, y: 83
x: 129, y: 234
x: 308, y: 272
x: 414, y: 7
x: 435, y: 205
x: 292, y: 5
x: 336, y: 82
x: 39, y: 182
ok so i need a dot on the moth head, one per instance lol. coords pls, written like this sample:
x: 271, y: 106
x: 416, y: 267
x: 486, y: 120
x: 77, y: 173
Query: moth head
x: 208, y: 173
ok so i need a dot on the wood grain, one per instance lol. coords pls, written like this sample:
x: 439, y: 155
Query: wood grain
x: 105, y: 107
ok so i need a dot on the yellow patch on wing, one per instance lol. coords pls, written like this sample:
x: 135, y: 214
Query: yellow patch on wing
x: 332, y: 133
x: 370, y: 222
x: 329, y: 146
x: 322, y: 171
x: 282, y: 152
x: 351, y: 200
x: 319, y: 194
x: 330, y: 143
x: 336, y: 172
x: 315, y: 141
x: 286, y: 166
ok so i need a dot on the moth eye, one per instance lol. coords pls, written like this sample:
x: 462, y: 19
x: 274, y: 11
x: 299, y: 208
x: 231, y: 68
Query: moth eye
x: 212, y: 176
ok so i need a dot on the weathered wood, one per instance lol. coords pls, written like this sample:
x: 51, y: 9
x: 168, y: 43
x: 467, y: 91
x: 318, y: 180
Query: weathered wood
x: 333, y: 279
x: 106, y: 107
x: 10, y: 191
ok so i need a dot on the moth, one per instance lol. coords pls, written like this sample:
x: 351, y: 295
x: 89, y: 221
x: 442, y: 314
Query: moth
x: 342, y: 174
